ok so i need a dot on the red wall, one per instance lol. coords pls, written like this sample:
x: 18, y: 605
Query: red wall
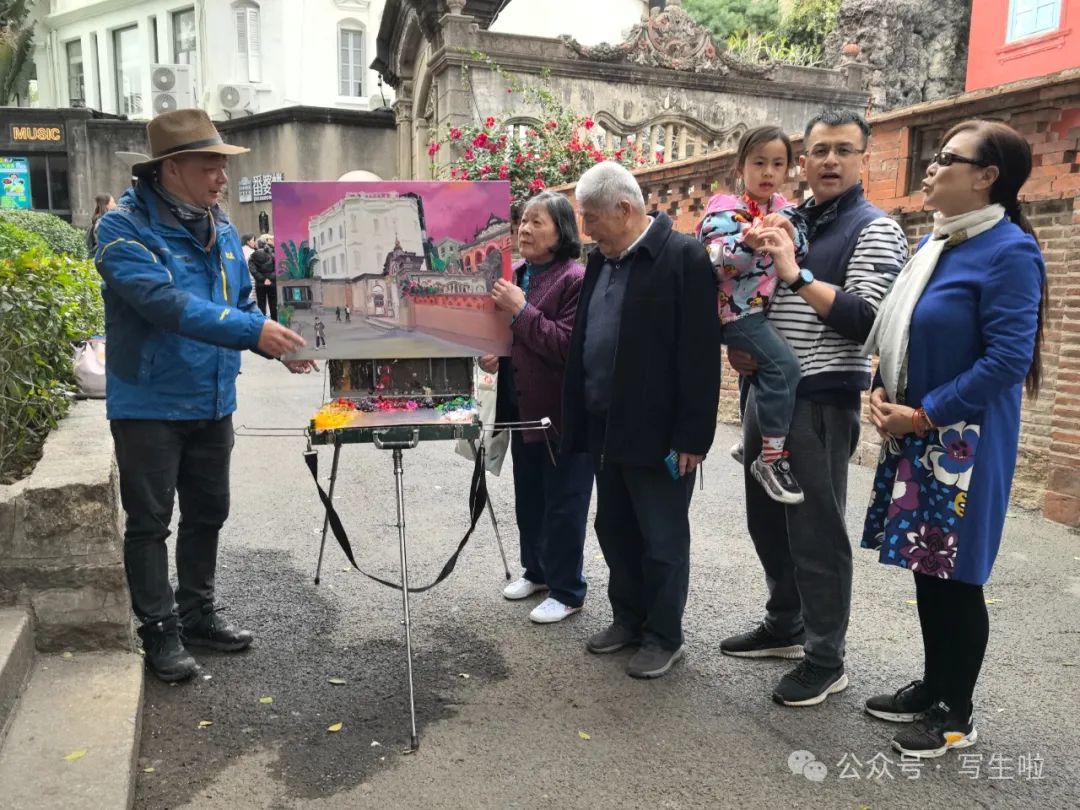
x: 991, y: 62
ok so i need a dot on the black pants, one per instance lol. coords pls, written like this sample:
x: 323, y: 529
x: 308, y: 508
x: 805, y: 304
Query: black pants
x: 804, y: 549
x: 551, y: 503
x: 266, y: 295
x: 157, y: 460
x: 955, y: 629
x: 643, y: 525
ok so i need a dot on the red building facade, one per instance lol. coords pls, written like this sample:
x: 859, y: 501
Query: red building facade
x: 1021, y: 39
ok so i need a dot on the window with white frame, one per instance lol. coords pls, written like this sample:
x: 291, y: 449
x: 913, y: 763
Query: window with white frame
x: 1028, y: 18
x: 248, y: 39
x: 351, y: 67
x: 76, y: 76
x: 183, y: 36
x: 129, y: 65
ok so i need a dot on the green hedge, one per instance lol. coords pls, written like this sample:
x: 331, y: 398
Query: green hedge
x: 48, y: 302
x: 62, y: 238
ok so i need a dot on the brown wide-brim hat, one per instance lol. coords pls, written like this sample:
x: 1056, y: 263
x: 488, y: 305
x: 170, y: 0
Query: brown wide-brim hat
x: 182, y: 132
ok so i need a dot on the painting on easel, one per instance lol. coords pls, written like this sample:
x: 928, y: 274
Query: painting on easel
x: 393, y: 269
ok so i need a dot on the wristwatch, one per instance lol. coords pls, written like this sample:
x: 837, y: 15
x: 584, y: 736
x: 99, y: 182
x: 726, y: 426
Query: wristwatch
x: 805, y: 277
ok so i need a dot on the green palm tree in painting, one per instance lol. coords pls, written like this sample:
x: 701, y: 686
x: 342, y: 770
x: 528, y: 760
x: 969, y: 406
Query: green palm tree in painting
x: 299, y: 261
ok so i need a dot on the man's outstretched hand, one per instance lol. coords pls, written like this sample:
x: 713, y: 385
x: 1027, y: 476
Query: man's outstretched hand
x: 276, y: 340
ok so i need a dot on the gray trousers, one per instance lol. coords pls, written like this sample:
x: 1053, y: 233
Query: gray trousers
x: 805, y: 549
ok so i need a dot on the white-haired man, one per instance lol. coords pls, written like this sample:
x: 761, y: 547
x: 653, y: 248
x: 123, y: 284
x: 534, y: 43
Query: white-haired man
x: 641, y: 390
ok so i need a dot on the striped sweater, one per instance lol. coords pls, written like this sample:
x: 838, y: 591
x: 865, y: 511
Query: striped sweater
x: 858, y: 250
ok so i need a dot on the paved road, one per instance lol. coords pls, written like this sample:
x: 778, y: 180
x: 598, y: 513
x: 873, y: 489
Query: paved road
x: 508, y: 735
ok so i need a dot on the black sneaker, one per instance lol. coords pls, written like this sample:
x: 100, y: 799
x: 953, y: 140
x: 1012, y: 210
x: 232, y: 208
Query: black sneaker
x: 777, y: 481
x: 612, y: 640
x: 760, y: 643
x: 653, y: 661
x: 165, y: 654
x: 938, y: 730
x: 905, y: 705
x: 204, y: 627
x: 809, y: 684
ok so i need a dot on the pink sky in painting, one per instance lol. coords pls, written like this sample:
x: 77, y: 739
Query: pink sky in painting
x: 456, y: 210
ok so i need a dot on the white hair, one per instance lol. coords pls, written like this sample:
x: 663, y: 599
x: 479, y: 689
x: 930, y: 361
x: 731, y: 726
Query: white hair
x: 607, y: 184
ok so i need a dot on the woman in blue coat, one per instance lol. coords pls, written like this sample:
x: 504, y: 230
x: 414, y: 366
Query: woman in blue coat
x: 959, y: 336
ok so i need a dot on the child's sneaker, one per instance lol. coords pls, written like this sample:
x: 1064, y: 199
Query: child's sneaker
x: 737, y: 452
x: 777, y: 481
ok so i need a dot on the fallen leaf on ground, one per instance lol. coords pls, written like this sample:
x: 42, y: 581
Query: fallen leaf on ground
x: 74, y: 755
x: 464, y: 675
x: 598, y: 557
x: 910, y: 602
x: 992, y: 601
x: 141, y: 651
x: 584, y: 735
x: 266, y: 701
x: 147, y: 770
x: 334, y: 727
x: 1070, y: 664
x: 67, y: 655
x: 376, y: 744
x: 336, y: 681
x: 205, y: 723
x: 346, y: 570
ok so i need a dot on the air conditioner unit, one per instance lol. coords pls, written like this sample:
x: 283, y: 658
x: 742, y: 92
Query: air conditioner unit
x: 171, y: 88
x: 236, y: 99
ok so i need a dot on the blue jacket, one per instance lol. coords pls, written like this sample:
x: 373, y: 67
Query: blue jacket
x: 176, y: 317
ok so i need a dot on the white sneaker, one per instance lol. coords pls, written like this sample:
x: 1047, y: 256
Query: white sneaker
x: 522, y: 589
x: 550, y: 611
x: 737, y: 451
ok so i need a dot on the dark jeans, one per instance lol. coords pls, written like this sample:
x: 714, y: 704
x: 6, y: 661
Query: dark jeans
x: 804, y: 549
x: 643, y: 525
x: 266, y: 296
x: 955, y: 630
x: 778, y: 371
x: 158, y: 459
x: 551, y: 502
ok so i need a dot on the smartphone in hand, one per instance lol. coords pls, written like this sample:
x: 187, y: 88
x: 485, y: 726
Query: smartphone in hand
x: 671, y: 461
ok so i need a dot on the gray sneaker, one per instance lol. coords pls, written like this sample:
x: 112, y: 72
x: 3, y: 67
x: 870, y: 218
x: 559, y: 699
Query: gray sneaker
x: 652, y: 661
x: 612, y: 640
x: 777, y: 481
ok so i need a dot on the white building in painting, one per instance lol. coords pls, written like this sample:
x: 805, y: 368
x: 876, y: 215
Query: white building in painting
x: 230, y: 57
x: 354, y: 236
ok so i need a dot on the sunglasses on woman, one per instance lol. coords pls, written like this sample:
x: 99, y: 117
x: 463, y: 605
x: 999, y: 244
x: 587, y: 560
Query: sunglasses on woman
x: 948, y: 159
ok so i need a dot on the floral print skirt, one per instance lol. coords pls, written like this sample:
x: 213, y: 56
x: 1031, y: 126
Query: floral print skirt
x: 916, y: 512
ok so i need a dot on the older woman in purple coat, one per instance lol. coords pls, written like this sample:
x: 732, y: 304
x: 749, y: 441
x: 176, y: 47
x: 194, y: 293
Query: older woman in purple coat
x: 552, y: 490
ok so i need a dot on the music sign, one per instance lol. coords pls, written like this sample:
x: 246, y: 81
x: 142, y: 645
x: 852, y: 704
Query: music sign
x: 14, y: 182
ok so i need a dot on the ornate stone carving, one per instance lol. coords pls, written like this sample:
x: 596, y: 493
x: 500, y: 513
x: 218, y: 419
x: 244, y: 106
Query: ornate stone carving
x: 670, y: 39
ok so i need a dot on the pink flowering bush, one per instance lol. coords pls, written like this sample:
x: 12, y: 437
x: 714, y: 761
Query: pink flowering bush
x: 557, y: 152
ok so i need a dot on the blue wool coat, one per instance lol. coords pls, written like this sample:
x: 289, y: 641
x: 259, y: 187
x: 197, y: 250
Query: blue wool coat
x: 176, y: 317
x: 939, y: 502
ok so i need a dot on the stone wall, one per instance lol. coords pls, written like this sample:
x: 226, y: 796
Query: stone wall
x: 1047, y: 112
x: 61, y: 540
x: 667, y: 73
x: 916, y: 49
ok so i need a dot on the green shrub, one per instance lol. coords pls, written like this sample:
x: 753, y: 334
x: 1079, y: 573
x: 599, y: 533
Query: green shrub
x: 725, y: 18
x: 62, y: 238
x: 808, y: 23
x: 48, y: 302
x: 14, y: 241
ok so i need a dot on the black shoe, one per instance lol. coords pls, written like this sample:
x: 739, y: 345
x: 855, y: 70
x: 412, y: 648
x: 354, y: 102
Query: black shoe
x: 165, y: 654
x: 760, y: 643
x: 938, y: 730
x: 204, y: 627
x: 906, y: 705
x: 612, y: 640
x: 809, y: 684
x: 777, y: 480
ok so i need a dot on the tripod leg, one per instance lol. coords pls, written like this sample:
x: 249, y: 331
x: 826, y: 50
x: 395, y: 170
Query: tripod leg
x: 494, y: 523
x: 398, y: 476
x: 326, y: 518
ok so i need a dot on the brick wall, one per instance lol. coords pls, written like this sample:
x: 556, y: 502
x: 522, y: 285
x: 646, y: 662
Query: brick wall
x: 1047, y: 112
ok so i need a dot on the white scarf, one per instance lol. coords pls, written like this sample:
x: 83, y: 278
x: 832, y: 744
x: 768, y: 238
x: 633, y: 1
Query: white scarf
x: 889, y: 335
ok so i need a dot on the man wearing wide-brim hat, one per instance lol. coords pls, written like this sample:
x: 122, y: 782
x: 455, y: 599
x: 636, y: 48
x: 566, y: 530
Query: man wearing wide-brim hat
x: 178, y: 313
